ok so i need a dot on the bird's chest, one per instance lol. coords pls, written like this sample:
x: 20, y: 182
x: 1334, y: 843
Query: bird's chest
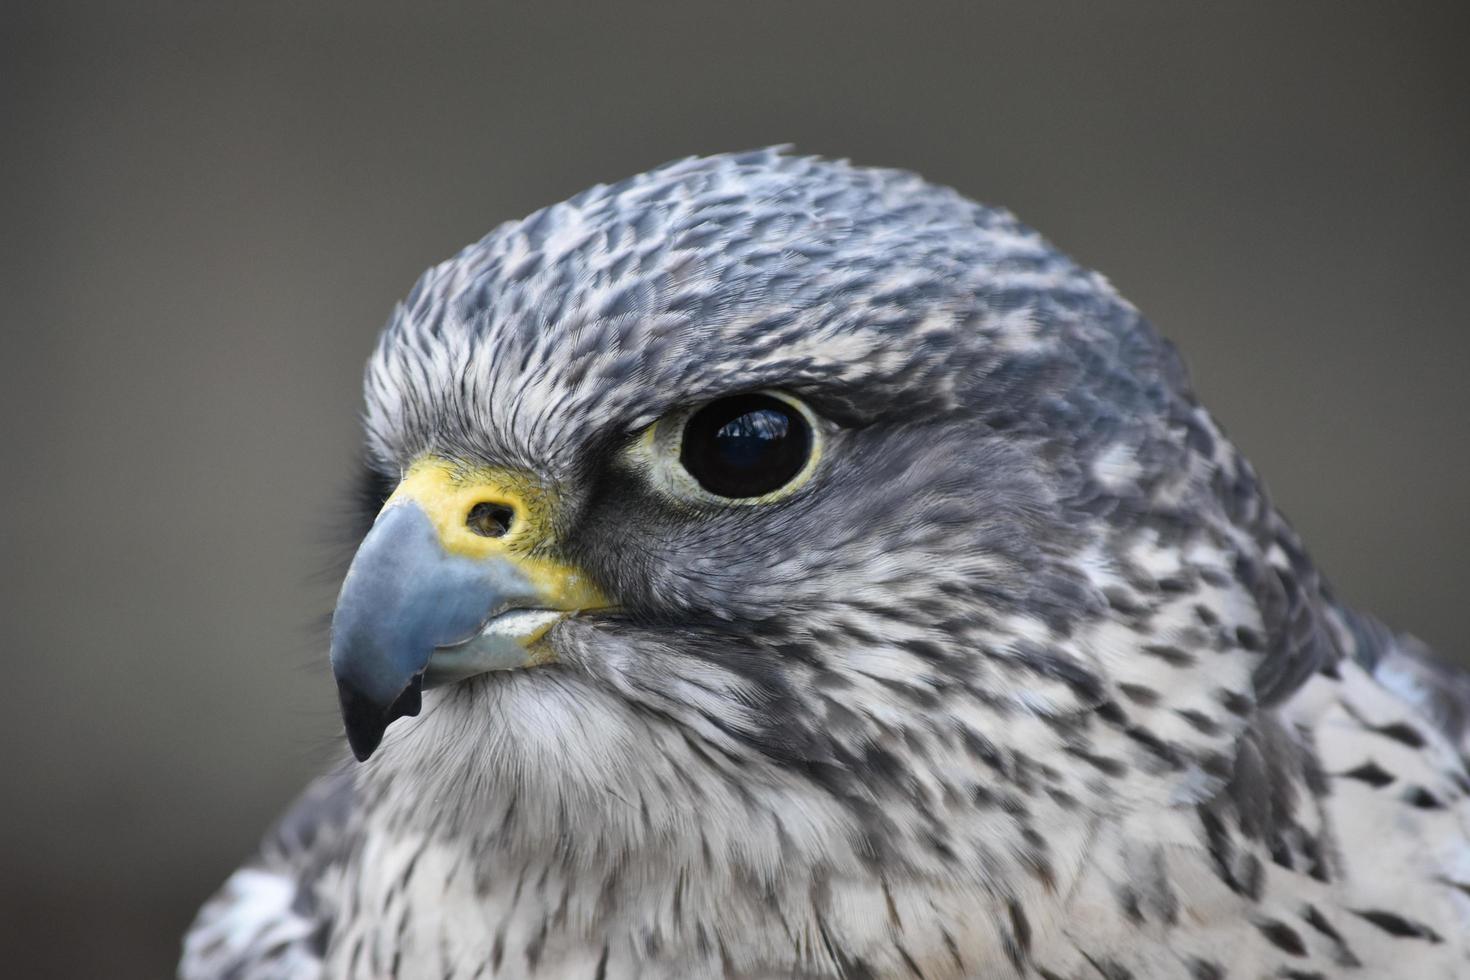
x: 1153, y: 896
x: 413, y: 910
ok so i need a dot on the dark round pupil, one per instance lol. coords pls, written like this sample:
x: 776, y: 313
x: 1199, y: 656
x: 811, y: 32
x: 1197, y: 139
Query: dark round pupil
x: 745, y: 446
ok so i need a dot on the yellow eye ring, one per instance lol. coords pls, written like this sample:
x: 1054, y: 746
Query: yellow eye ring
x: 747, y: 449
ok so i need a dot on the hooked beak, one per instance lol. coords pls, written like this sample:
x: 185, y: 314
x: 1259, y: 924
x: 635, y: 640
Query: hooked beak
x: 451, y: 581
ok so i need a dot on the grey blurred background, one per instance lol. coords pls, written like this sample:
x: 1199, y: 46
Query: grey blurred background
x: 209, y: 210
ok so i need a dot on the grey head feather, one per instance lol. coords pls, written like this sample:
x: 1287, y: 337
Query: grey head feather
x: 1031, y: 591
x: 884, y: 299
x: 1018, y: 479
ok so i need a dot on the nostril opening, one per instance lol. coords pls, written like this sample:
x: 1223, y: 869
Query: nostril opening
x: 490, y: 520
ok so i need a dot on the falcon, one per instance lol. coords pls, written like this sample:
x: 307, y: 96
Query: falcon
x: 775, y: 568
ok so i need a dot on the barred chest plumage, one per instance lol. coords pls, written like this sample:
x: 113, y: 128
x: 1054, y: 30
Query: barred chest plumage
x: 1200, y: 892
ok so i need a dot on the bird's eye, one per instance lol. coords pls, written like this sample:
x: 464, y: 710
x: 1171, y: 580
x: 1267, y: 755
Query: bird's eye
x: 753, y: 449
x: 746, y: 446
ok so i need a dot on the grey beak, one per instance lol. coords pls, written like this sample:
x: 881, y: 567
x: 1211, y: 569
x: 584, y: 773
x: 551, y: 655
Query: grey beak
x: 404, y: 598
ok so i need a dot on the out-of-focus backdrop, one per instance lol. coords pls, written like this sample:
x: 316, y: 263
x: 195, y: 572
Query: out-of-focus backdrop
x: 208, y: 209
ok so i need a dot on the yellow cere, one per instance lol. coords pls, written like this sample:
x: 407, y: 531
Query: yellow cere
x: 447, y: 492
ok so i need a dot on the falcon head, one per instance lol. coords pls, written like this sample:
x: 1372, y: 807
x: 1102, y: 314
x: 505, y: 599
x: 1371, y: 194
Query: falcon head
x: 803, y: 514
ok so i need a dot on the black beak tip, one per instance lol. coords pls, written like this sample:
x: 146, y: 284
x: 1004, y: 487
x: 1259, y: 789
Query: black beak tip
x: 366, y: 719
